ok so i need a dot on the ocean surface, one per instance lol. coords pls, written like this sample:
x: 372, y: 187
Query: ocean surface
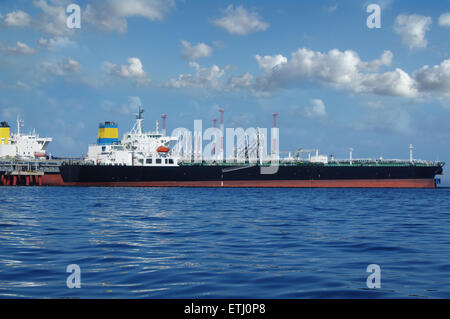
x: 224, y: 243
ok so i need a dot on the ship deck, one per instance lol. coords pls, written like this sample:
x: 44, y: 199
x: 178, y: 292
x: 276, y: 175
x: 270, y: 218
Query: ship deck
x: 361, y: 163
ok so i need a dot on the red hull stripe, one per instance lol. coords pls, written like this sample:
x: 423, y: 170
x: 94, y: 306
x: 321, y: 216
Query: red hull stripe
x: 56, y: 180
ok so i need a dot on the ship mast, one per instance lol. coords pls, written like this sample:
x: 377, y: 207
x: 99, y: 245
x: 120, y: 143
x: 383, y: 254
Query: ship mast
x: 137, y: 128
x: 19, y: 124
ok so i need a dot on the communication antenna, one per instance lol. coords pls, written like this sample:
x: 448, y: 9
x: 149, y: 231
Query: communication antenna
x: 140, y: 112
x: 19, y: 124
x: 137, y: 128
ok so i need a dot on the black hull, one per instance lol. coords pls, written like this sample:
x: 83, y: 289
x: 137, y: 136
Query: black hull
x: 216, y: 175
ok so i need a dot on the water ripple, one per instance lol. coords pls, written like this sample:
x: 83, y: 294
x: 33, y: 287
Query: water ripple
x: 216, y: 243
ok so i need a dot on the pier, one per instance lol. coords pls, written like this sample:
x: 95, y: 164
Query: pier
x: 14, y: 172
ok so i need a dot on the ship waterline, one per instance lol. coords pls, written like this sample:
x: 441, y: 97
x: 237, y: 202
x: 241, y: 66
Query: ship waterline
x: 367, y: 183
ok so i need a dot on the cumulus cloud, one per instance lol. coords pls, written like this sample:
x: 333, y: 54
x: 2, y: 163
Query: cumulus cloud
x: 435, y: 78
x: 52, y: 21
x: 111, y: 15
x: 133, y: 70
x: 340, y: 69
x: 412, y: 29
x: 374, y: 65
x: 240, y: 21
x: 267, y: 62
x: 203, y: 78
x: 444, y: 20
x: 336, y: 69
x: 315, y: 110
x: 19, y: 48
x: 194, y: 52
x: 392, y: 83
x: 61, y: 68
x: 17, y: 19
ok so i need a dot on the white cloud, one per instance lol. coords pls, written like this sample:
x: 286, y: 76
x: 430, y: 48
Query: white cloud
x: 434, y: 79
x: 337, y: 69
x: 134, y: 70
x: 240, y: 21
x: 412, y: 29
x: 340, y: 69
x: 240, y: 82
x: 200, y: 50
x: 393, y: 83
x: 53, y: 19
x: 333, y: 67
x: 267, y: 62
x: 444, y: 20
x: 56, y: 43
x: 111, y: 15
x: 374, y: 65
x: 203, y: 78
x: 316, y: 109
x: 17, y: 19
x: 19, y: 48
x: 61, y: 68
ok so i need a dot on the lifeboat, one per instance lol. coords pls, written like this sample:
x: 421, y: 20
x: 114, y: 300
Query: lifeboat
x: 39, y: 154
x: 162, y: 149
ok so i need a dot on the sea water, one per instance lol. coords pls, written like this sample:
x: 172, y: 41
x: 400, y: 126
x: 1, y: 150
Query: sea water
x: 223, y: 243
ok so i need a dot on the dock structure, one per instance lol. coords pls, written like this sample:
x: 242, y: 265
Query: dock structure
x: 20, y: 172
x: 16, y: 178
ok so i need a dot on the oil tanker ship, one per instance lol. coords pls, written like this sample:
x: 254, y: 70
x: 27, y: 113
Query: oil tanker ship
x: 147, y: 159
x: 24, y: 159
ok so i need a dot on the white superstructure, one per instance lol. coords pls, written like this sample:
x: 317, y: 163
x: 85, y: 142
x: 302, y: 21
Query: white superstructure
x: 137, y: 148
x: 23, y: 146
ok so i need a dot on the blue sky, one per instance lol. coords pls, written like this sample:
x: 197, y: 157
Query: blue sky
x: 334, y: 82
